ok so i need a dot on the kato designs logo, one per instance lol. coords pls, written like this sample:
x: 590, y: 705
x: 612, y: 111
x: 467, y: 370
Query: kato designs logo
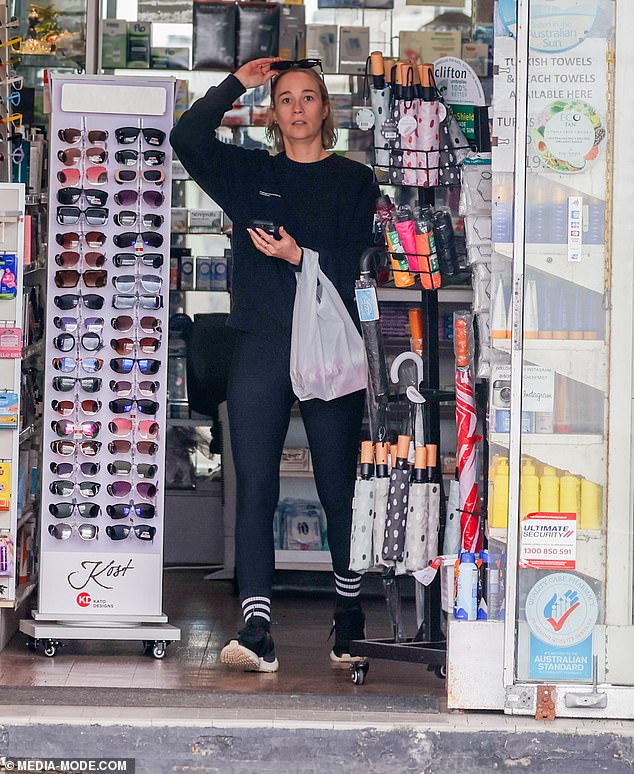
x: 561, y: 609
x: 83, y: 599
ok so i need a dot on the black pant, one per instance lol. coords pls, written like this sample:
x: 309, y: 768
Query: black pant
x: 259, y: 401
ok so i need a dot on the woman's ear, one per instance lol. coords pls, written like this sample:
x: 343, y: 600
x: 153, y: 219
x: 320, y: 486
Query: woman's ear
x: 325, y: 111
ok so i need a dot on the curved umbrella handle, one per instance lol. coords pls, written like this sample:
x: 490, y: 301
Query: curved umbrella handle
x: 402, y: 358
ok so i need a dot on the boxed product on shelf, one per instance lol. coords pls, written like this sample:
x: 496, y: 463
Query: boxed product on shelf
x: 477, y: 56
x: 321, y: 43
x: 258, y: 31
x: 214, y: 41
x: 203, y: 272
x: 354, y: 48
x: 179, y: 220
x: 139, y: 44
x: 114, y: 43
x: 303, y: 532
x: 9, y: 404
x: 172, y: 58
x: 294, y: 459
x: 219, y: 273
x: 292, y: 42
x: 296, y: 520
x: 181, y: 104
x: 239, y: 115
x: 205, y: 221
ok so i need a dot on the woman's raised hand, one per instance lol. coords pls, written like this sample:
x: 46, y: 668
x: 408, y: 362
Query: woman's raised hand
x: 256, y: 73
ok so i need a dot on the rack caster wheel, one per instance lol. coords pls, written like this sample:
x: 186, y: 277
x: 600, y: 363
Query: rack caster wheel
x: 441, y: 671
x: 159, y: 649
x: 33, y: 644
x: 359, y: 672
x: 50, y: 648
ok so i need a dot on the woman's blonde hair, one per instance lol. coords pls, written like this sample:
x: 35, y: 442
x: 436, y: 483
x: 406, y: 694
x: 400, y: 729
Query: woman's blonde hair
x: 328, y: 132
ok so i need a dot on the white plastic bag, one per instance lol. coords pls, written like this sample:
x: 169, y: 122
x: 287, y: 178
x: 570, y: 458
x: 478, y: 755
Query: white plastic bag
x: 327, y: 352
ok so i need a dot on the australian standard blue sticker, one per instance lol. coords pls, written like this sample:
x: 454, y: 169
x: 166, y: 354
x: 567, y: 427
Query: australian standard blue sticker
x: 367, y: 304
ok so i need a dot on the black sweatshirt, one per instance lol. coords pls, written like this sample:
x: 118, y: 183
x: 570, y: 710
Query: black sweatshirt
x: 326, y: 206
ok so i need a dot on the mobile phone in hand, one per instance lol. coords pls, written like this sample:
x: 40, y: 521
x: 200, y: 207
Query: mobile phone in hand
x: 267, y: 226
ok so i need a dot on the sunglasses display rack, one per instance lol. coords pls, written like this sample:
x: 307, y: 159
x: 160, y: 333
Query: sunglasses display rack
x: 105, y: 385
x: 9, y: 93
x: 14, y: 511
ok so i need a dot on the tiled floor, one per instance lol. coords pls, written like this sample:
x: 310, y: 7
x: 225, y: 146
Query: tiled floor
x: 208, y: 615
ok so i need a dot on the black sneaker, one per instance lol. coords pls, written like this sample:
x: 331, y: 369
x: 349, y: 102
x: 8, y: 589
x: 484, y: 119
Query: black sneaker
x: 253, y: 651
x: 349, y: 624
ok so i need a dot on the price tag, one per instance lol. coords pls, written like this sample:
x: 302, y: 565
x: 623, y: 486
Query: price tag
x: 442, y: 111
x: 407, y: 126
x: 549, y: 541
x: 389, y: 130
x: 364, y: 119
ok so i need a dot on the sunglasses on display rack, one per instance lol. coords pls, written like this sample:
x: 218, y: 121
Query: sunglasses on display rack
x: 69, y: 278
x: 73, y: 136
x: 96, y: 175
x: 125, y: 406
x: 72, y: 195
x: 71, y: 156
x: 65, y: 510
x: 123, y: 489
x: 67, y: 408
x: 122, y: 531
x: 124, y: 365
x: 128, y: 218
x: 147, y: 345
x: 68, y: 383
x: 124, y: 388
x: 120, y: 446
x: 65, y: 427
x: 156, y: 176
x: 65, y: 488
x: 88, y: 469
x: 16, y: 156
x: 94, y: 216
x: 67, y: 365
x: 129, y: 157
x: 66, y: 342
x: 17, y: 81
x: 127, y: 197
x: 125, y: 468
x: 71, y: 324
x: 149, y: 260
x: 67, y: 448
x: 130, y: 238
x: 120, y: 301
x: 125, y: 510
x: 146, y: 323
x: 15, y: 119
x: 65, y: 531
x: 71, y: 300
x: 14, y: 99
x: 69, y: 258
x: 126, y: 135
x: 126, y: 283
x: 146, y: 428
x: 71, y: 239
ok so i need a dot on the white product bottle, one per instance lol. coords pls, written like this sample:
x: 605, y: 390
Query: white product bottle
x: 466, y: 608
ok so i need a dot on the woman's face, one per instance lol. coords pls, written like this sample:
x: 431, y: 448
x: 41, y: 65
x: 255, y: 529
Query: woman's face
x: 299, y: 110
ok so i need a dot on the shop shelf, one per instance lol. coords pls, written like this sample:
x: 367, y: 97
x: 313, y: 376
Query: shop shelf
x: 581, y: 455
x: 552, y: 259
x: 188, y: 422
x: 296, y: 473
x: 591, y: 549
x: 584, y: 361
x: 302, y: 560
x: 23, y: 592
x: 29, y: 431
x: 449, y: 295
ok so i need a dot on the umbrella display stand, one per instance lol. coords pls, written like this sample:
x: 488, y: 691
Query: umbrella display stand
x: 428, y: 645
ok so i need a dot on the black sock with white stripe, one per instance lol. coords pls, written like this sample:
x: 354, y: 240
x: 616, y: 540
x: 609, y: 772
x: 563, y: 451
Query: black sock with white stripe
x: 347, y: 590
x: 257, y: 607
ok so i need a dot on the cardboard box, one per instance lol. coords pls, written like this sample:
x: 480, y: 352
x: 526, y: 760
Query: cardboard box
x: 354, y: 49
x: 114, y: 43
x: 321, y: 43
x: 139, y: 44
x: 170, y: 58
x: 294, y: 459
x: 429, y: 45
x: 292, y: 32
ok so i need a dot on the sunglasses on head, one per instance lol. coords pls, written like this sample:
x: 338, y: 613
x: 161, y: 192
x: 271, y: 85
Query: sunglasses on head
x: 65, y: 531
x: 126, y: 135
x: 96, y: 175
x: 65, y: 510
x: 68, y: 383
x: 124, y: 510
x: 301, y: 64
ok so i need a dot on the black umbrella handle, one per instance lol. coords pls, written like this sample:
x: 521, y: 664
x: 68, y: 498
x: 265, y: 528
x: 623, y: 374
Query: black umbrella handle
x: 369, y: 261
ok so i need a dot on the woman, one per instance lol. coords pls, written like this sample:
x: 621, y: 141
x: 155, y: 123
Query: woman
x: 319, y: 201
